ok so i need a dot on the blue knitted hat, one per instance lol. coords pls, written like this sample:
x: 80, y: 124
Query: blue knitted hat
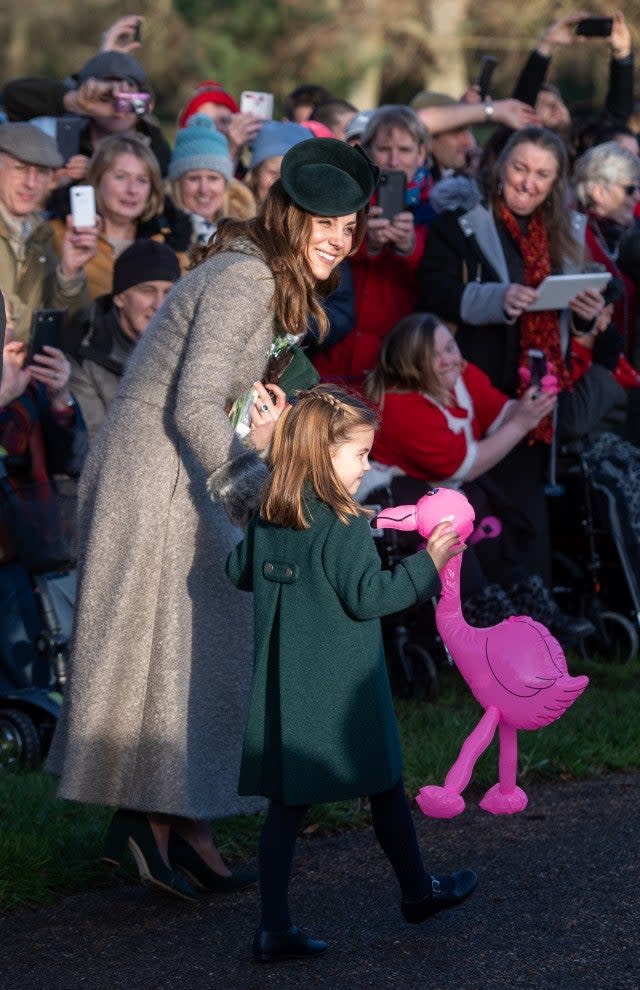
x: 200, y: 145
x: 276, y: 138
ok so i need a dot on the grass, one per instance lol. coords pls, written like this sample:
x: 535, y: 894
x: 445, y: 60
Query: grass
x: 49, y: 847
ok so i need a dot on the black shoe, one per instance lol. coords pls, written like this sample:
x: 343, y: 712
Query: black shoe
x: 447, y: 891
x: 288, y: 944
x: 187, y: 861
x: 570, y: 629
x: 132, y: 829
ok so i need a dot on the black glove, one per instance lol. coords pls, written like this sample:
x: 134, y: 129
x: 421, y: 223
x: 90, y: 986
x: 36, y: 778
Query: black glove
x: 607, y: 348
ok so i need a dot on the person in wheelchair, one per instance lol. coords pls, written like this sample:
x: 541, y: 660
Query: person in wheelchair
x: 443, y: 421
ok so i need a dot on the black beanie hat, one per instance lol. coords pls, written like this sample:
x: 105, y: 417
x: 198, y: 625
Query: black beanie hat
x: 145, y: 261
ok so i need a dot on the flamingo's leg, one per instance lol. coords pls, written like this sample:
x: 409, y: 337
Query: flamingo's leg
x: 447, y: 801
x: 505, y: 797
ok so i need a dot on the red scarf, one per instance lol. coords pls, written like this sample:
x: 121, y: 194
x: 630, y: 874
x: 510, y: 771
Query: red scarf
x: 542, y: 329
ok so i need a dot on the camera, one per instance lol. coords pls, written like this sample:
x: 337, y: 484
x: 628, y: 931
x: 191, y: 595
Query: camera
x: 138, y: 103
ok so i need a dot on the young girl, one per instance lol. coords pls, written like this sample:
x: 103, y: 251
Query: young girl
x: 321, y: 725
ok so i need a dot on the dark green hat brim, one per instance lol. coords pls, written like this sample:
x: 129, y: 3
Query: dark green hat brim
x: 328, y: 177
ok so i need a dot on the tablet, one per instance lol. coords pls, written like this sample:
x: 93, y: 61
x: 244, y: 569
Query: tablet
x: 557, y: 291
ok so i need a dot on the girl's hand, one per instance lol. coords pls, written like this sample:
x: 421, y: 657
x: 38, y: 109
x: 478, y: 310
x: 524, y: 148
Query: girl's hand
x: 54, y: 371
x: 270, y: 403
x: 443, y: 544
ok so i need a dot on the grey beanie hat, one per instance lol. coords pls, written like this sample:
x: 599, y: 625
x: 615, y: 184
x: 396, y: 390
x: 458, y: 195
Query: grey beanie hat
x: 113, y: 65
x: 30, y: 145
x: 200, y: 145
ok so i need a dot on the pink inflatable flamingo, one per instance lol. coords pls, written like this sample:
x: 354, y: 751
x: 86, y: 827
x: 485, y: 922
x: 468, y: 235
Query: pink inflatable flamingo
x: 515, y: 669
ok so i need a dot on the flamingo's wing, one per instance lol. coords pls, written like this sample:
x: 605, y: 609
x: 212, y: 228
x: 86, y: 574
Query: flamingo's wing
x: 523, y: 656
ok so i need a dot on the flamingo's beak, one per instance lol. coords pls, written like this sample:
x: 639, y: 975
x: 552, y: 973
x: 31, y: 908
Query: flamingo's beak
x: 399, y: 517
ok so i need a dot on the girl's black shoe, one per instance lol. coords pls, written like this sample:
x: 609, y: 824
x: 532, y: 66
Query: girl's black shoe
x: 447, y: 891
x: 132, y: 829
x: 186, y: 860
x: 288, y: 944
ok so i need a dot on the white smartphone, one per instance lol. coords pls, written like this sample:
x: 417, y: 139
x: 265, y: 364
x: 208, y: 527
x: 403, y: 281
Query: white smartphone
x: 83, y: 206
x: 261, y: 104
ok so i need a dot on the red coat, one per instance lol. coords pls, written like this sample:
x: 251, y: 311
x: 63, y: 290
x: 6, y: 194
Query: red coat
x: 429, y: 441
x: 386, y: 289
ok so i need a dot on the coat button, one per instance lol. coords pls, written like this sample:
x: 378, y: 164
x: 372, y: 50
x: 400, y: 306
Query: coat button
x: 288, y: 572
x: 268, y: 568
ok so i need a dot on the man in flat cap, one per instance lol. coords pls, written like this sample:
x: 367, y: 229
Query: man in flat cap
x: 32, y: 276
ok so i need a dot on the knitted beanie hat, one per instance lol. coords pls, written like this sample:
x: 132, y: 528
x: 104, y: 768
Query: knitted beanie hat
x: 207, y: 92
x: 275, y: 138
x: 145, y: 261
x: 200, y: 145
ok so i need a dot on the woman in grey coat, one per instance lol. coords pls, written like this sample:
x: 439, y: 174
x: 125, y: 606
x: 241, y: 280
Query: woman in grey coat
x: 161, y: 665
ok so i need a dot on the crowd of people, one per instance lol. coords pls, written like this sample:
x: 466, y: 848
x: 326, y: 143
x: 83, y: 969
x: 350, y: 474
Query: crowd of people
x: 225, y: 275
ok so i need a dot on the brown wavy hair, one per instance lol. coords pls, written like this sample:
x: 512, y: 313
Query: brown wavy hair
x: 555, y: 210
x: 300, y: 457
x: 281, y: 232
x: 405, y: 360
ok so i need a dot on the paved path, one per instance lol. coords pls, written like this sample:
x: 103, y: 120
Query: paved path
x: 557, y: 908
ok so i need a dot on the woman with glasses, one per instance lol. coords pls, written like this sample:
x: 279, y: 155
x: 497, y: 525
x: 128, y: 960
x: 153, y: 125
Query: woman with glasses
x: 607, y: 188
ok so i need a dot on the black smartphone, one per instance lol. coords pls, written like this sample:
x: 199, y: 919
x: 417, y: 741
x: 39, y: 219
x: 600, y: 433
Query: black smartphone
x: 537, y: 366
x: 391, y: 192
x: 137, y: 31
x: 46, y: 330
x: 68, y: 131
x: 487, y: 65
x: 595, y: 27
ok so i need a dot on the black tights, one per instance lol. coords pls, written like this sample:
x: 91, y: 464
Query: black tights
x: 394, y: 829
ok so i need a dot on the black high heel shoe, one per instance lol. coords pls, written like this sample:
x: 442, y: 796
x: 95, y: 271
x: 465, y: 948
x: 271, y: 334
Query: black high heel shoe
x: 446, y: 892
x: 185, y: 859
x: 132, y: 829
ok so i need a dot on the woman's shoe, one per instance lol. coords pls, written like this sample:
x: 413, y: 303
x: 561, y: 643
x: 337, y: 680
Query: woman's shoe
x: 446, y: 892
x: 288, y: 944
x: 185, y: 859
x: 132, y: 829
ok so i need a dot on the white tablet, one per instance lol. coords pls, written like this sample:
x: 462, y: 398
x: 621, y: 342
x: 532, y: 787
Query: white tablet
x: 557, y: 291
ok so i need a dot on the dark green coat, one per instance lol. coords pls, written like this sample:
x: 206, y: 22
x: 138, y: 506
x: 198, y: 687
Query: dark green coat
x: 321, y: 724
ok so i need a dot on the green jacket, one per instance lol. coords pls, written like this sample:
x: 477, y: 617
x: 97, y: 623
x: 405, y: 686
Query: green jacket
x: 321, y: 724
x: 35, y: 284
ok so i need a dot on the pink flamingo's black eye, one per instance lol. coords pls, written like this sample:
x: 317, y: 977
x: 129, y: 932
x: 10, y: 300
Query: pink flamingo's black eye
x: 434, y: 491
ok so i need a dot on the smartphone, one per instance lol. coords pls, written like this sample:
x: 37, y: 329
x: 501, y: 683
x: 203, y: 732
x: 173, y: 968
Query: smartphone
x: 537, y: 366
x: 487, y: 65
x: 46, y: 329
x: 83, y: 206
x: 260, y: 104
x: 137, y: 31
x: 391, y: 193
x: 68, y: 131
x: 138, y: 103
x: 595, y: 27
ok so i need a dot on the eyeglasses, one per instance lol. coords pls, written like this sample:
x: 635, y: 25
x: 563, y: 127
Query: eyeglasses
x: 631, y: 189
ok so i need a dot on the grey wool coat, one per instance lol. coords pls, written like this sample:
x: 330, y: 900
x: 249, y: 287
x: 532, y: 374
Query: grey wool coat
x: 321, y: 724
x: 161, y: 662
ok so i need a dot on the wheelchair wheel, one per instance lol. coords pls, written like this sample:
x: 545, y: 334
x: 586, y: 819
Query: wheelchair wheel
x: 425, y: 672
x: 615, y: 639
x: 19, y: 741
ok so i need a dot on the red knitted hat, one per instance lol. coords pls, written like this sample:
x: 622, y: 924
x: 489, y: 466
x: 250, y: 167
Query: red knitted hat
x: 208, y: 91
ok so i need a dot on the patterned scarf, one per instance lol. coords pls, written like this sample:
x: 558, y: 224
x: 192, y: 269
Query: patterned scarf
x: 541, y: 329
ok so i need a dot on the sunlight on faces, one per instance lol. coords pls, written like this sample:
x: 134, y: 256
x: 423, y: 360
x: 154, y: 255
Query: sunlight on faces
x: 124, y: 189
x: 394, y: 148
x: 330, y: 242
x: 23, y: 187
x: 446, y: 360
x: 202, y: 192
x: 350, y: 459
x: 138, y: 304
x: 528, y: 177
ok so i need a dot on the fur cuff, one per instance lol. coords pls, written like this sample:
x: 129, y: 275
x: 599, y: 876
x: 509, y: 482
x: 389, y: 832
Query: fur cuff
x: 238, y: 485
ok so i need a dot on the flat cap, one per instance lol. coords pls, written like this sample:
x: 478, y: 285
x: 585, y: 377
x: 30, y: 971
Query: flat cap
x: 29, y: 144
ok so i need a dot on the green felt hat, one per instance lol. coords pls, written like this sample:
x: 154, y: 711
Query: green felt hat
x: 328, y: 177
